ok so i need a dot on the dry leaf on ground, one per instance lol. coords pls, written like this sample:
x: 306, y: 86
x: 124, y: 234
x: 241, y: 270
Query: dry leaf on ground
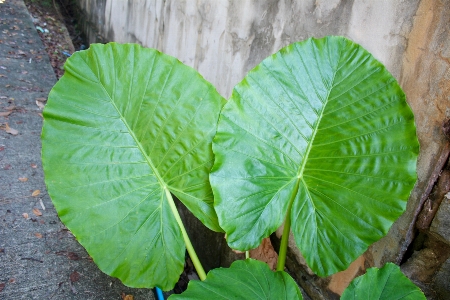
x: 9, y: 130
x: 127, y: 297
x: 40, y: 104
x: 75, y: 276
x: 25, y: 215
x: 5, y: 113
x: 36, y: 193
x: 72, y: 256
x: 42, y: 204
x: 23, y: 179
x: 38, y: 235
x: 37, y: 212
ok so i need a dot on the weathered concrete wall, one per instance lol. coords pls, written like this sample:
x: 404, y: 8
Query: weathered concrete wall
x: 223, y: 40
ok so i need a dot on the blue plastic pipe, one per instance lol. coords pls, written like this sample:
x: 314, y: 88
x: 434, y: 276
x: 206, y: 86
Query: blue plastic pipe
x: 159, y: 293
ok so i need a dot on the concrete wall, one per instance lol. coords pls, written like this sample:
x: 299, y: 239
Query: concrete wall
x: 223, y: 40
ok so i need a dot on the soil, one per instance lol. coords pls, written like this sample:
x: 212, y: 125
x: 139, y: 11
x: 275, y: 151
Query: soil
x: 57, y: 28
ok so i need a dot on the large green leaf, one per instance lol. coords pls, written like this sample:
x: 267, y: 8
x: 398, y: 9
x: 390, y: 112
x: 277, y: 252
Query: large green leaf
x: 245, y: 279
x: 321, y: 126
x: 385, y: 283
x: 122, y: 125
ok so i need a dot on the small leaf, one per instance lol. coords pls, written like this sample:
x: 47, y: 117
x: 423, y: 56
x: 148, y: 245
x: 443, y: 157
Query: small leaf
x: 245, y: 279
x: 37, y: 212
x: 36, y: 193
x: 40, y: 104
x: 74, y: 276
x: 73, y: 256
x: 385, y: 283
x: 38, y: 235
x: 25, y: 215
x: 10, y: 130
x: 5, y: 113
x: 23, y: 179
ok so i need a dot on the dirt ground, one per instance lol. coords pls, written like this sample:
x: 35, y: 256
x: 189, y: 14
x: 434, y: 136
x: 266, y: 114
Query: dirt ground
x: 50, y: 18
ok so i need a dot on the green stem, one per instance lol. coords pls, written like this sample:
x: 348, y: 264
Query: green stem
x: 197, y: 264
x: 286, y: 231
x: 247, y: 254
x: 284, y: 241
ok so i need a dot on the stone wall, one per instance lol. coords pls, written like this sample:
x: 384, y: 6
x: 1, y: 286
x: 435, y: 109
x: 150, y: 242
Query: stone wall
x: 223, y: 40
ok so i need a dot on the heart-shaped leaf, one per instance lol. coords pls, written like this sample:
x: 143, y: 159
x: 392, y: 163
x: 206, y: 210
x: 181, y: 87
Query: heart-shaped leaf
x: 320, y: 131
x: 124, y: 124
x: 245, y: 279
x: 385, y: 283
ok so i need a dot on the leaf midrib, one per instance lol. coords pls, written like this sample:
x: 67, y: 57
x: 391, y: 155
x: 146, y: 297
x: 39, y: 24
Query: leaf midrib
x: 147, y: 158
x: 314, y: 132
x: 319, y: 119
x: 124, y: 121
x: 139, y: 145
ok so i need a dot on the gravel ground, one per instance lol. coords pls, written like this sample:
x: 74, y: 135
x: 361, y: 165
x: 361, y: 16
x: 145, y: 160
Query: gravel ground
x: 39, y: 257
x: 49, y: 22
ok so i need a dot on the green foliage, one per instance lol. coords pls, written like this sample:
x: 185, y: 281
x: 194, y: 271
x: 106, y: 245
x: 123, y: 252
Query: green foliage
x: 385, y: 283
x: 318, y: 134
x: 320, y: 131
x: 123, y: 125
x: 245, y: 279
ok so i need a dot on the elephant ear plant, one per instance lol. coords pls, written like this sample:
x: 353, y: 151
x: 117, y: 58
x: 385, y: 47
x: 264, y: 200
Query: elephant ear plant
x: 124, y: 129
x: 317, y: 137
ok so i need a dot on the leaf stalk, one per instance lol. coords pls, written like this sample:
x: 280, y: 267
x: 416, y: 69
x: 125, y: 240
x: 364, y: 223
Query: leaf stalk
x: 286, y: 231
x: 197, y: 264
x: 284, y: 241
